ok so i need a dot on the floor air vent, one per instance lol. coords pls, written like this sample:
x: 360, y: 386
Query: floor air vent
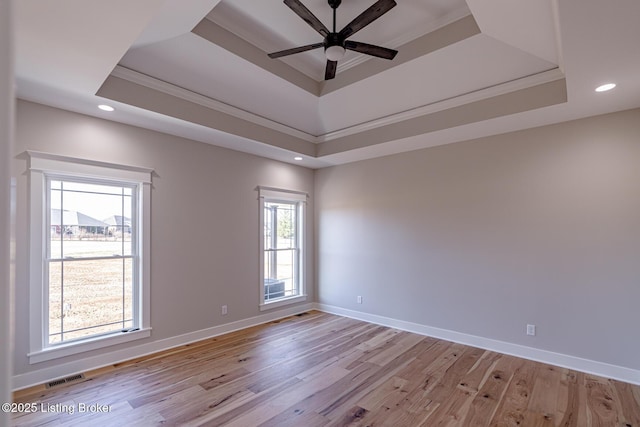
x: 61, y: 381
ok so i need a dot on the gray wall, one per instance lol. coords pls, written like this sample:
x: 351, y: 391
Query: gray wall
x: 482, y: 237
x: 6, y: 141
x: 204, y: 219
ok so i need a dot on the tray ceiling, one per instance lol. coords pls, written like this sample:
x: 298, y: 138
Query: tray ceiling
x: 200, y: 69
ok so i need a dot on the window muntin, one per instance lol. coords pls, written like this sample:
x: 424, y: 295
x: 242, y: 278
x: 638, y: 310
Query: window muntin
x: 91, y: 258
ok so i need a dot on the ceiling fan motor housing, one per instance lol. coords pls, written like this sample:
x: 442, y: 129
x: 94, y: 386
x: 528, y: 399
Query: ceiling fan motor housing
x: 334, y: 3
x: 333, y: 39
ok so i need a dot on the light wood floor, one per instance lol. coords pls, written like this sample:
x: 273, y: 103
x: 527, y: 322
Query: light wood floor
x: 317, y: 369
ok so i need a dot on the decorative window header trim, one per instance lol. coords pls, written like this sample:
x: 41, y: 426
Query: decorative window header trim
x: 46, y: 162
x: 278, y: 193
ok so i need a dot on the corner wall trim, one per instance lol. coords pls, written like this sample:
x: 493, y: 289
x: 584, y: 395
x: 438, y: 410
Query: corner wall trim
x: 42, y: 376
x: 562, y: 360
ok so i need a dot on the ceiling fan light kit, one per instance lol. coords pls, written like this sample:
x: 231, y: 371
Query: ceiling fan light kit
x: 334, y: 53
x: 335, y: 43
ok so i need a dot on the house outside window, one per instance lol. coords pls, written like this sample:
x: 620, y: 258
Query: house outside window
x: 282, y: 214
x: 89, y: 260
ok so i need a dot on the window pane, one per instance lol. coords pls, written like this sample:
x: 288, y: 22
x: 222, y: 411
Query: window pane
x: 280, y: 225
x: 286, y: 226
x: 55, y: 221
x: 95, y: 330
x: 270, y: 271
x: 285, y: 260
x: 273, y: 288
x: 90, y: 220
x: 89, y: 248
x: 55, y: 302
x: 123, y: 226
x: 269, y: 240
x: 83, y: 187
x: 94, y: 296
x: 279, y: 273
x: 128, y: 313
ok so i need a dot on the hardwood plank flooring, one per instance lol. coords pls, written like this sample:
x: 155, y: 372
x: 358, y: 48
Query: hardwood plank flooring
x: 318, y: 369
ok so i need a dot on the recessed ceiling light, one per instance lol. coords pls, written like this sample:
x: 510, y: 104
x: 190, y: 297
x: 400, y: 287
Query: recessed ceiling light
x: 298, y: 158
x: 105, y: 107
x: 605, y: 87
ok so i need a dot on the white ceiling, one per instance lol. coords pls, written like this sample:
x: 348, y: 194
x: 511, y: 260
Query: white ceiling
x: 199, y: 69
x: 271, y: 26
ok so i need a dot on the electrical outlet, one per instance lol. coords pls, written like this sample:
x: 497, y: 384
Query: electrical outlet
x: 531, y: 330
x: 224, y: 310
x: 359, y: 299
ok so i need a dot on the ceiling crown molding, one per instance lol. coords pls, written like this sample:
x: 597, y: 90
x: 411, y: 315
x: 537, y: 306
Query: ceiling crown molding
x: 179, y: 92
x: 485, y: 93
x: 478, y: 95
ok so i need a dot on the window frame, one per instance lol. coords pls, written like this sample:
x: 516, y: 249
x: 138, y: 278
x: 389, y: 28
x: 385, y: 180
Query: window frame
x: 276, y: 195
x: 41, y: 167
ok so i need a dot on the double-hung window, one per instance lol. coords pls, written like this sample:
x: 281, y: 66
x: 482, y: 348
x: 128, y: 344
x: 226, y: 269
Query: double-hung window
x: 89, y: 255
x: 282, y: 247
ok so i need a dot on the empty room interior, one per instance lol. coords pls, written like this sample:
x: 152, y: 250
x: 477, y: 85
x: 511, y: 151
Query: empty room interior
x: 315, y: 212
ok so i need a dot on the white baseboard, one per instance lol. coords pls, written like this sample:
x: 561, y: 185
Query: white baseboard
x: 562, y: 360
x: 44, y: 375
x: 571, y: 362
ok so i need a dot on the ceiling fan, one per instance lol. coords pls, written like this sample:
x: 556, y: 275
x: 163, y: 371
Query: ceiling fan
x: 335, y: 43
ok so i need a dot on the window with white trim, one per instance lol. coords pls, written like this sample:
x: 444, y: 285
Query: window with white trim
x: 282, y: 247
x: 89, y: 255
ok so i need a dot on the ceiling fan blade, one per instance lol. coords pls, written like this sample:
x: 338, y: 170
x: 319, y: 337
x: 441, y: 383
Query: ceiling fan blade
x: 369, y: 49
x: 295, y: 50
x: 368, y: 16
x: 330, y: 71
x: 308, y: 17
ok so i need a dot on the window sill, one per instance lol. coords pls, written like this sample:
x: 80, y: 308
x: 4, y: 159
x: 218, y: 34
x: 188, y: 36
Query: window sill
x: 282, y: 302
x: 96, y: 343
